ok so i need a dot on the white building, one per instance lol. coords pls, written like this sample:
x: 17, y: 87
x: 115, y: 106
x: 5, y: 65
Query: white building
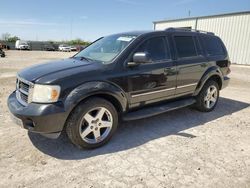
x: 232, y: 28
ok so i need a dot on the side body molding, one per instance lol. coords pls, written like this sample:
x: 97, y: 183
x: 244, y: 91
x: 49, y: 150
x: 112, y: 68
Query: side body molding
x: 212, y: 71
x: 95, y: 88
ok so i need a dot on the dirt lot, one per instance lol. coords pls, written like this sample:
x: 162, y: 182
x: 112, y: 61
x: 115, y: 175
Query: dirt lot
x: 183, y: 148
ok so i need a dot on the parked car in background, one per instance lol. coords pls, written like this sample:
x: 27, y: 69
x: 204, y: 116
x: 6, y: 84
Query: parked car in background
x: 125, y: 76
x: 22, y: 45
x: 73, y: 48
x: 48, y: 47
x: 64, y: 48
x: 2, y: 54
x: 4, y: 46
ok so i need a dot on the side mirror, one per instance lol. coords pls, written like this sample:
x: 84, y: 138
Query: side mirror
x: 140, y: 58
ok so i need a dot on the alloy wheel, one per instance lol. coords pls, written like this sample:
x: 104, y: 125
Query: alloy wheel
x: 96, y: 125
x: 211, y: 97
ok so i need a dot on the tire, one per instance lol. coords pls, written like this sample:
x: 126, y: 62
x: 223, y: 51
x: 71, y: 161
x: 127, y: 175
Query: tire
x: 92, y: 123
x: 208, y: 97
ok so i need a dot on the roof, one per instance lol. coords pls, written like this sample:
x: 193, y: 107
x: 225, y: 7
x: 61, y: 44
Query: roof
x: 170, y: 29
x: 209, y: 16
x: 136, y: 33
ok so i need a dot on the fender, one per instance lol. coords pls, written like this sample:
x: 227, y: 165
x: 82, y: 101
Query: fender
x: 94, y: 88
x: 212, y: 71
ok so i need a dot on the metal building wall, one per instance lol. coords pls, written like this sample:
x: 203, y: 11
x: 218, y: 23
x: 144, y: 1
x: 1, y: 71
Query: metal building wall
x: 234, y: 30
x: 182, y: 23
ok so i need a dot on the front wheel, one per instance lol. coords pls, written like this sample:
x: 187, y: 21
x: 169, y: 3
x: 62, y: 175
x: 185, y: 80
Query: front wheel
x: 207, y: 99
x: 92, y: 123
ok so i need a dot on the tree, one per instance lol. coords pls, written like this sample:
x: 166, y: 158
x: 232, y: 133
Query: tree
x: 5, y: 36
x: 13, y: 39
x: 78, y: 41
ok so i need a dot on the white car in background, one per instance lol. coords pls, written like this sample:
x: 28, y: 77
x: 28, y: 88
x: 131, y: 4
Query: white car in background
x: 22, y: 45
x: 64, y: 48
x: 73, y: 48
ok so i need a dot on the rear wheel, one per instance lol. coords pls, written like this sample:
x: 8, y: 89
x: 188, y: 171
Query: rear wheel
x: 207, y: 99
x: 92, y: 123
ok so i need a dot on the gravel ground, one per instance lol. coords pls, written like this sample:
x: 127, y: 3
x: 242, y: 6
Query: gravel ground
x: 182, y: 148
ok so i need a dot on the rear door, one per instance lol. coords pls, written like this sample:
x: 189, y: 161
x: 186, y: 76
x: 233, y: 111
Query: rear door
x: 190, y: 62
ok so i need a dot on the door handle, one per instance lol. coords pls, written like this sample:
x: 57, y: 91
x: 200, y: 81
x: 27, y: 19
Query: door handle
x: 169, y: 69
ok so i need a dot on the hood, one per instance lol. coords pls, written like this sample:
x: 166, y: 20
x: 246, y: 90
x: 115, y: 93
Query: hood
x: 61, y: 67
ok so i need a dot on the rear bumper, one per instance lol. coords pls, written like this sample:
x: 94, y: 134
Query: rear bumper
x: 40, y: 118
x: 225, y: 82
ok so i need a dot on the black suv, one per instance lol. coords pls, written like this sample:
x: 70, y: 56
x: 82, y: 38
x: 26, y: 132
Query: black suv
x: 125, y: 77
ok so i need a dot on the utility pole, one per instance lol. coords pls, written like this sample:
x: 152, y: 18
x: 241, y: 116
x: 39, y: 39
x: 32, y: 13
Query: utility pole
x: 189, y: 13
x: 71, y: 29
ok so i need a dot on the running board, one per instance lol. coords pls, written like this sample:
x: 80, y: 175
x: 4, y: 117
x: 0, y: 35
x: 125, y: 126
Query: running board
x: 155, y: 110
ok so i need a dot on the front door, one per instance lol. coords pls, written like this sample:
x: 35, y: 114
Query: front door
x: 153, y: 81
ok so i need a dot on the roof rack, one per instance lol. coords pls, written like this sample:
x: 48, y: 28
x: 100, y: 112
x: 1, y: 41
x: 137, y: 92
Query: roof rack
x: 172, y: 29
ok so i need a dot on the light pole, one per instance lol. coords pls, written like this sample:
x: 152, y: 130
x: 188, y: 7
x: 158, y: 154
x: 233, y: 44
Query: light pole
x: 71, y: 28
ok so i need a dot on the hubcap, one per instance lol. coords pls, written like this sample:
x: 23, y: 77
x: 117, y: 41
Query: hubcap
x: 211, y: 97
x: 96, y: 125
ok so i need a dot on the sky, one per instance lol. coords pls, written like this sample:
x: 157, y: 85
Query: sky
x: 91, y: 19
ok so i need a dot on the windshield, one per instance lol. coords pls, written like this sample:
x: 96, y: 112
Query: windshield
x: 107, y: 48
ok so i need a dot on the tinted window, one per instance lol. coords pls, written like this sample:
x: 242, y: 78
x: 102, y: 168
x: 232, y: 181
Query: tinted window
x: 156, y: 48
x: 213, y: 45
x: 185, y: 46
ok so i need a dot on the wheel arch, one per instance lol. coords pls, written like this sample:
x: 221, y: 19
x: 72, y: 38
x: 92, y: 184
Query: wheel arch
x: 113, y: 100
x: 105, y: 90
x: 213, y: 73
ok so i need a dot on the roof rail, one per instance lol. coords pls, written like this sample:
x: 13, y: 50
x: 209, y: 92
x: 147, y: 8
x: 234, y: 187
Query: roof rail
x: 172, y: 29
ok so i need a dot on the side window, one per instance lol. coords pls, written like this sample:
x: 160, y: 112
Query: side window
x: 185, y: 46
x: 212, y: 45
x: 156, y: 48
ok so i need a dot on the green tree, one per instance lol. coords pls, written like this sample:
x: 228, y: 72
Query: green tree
x: 13, y: 39
x: 78, y: 41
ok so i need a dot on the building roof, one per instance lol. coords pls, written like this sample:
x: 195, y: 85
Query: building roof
x: 198, y: 17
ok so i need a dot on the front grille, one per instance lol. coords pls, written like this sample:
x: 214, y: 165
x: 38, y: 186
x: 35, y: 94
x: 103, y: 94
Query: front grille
x: 24, y: 86
x: 23, y: 90
x: 24, y: 97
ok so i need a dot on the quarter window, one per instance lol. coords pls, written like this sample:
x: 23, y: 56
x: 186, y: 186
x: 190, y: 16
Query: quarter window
x: 156, y: 48
x: 185, y: 46
x: 212, y: 45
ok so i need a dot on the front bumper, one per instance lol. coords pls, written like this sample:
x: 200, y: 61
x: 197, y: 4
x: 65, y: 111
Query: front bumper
x: 40, y: 118
x: 225, y: 82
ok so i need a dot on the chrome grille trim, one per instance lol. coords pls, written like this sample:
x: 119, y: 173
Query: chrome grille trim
x: 23, y: 90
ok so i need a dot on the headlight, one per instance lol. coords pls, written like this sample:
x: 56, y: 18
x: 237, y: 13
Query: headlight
x: 45, y: 93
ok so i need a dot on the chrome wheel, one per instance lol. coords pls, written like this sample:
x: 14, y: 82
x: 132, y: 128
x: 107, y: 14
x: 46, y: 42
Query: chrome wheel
x: 96, y: 125
x: 211, y: 97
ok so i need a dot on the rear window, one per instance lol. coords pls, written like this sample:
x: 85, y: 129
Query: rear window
x: 213, y: 45
x: 185, y: 46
